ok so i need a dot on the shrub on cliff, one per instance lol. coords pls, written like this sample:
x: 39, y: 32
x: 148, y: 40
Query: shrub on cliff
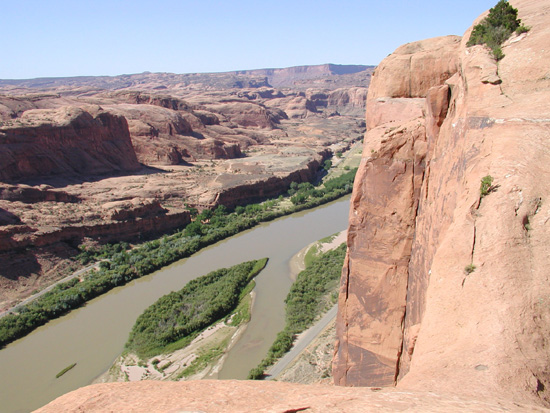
x: 497, y: 27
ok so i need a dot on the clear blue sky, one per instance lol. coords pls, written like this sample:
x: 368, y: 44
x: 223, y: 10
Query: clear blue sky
x: 42, y: 38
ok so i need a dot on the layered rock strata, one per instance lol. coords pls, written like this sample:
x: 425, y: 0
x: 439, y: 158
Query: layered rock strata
x: 444, y: 288
x: 69, y: 140
x: 81, y: 165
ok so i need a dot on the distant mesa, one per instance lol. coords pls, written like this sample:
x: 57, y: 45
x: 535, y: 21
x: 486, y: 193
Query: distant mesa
x: 329, y: 75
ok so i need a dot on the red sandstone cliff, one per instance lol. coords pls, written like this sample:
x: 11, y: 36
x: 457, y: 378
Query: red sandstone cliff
x: 67, y: 140
x: 440, y: 117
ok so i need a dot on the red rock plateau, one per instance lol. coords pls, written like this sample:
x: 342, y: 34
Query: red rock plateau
x: 445, y: 294
x: 104, y: 159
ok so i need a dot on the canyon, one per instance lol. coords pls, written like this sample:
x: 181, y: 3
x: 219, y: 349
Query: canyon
x: 444, y: 299
x: 90, y: 160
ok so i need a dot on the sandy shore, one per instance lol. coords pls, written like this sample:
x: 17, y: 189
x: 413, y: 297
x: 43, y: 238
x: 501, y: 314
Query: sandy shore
x: 297, y: 262
x: 128, y: 367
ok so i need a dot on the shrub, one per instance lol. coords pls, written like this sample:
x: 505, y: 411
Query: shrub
x: 497, y: 27
x: 470, y: 268
x: 486, y: 185
x: 199, y: 304
x: 522, y: 29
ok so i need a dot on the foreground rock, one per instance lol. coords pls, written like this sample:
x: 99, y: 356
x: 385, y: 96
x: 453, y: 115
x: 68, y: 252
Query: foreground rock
x: 249, y: 396
x: 444, y: 290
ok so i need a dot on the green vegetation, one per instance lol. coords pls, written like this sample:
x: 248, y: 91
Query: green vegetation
x: 497, y: 27
x: 306, y: 300
x: 204, y: 358
x: 242, y: 313
x: 310, y: 255
x: 313, y: 252
x: 470, y: 268
x: 124, y: 265
x: 183, y: 313
x: 486, y: 186
x: 88, y: 255
x: 65, y: 370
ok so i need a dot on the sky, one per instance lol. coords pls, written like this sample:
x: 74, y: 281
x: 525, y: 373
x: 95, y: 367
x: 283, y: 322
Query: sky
x: 58, y: 38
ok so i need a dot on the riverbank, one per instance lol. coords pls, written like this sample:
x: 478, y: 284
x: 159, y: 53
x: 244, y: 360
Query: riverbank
x: 202, y: 358
x: 312, y: 294
x: 297, y: 263
x: 94, y: 335
x: 184, y: 334
x: 128, y: 265
x: 313, y: 363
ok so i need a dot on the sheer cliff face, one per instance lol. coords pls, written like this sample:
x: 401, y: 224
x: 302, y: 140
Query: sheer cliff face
x: 441, y: 116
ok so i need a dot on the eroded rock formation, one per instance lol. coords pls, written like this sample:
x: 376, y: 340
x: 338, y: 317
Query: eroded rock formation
x: 68, y: 140
x: 444, y: 292
x: 81, y: 162
x: 444, y: 289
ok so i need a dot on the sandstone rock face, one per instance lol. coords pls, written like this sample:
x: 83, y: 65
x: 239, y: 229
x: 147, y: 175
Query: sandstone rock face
x: 444, y: 290
x: 68, y: 140
x: 412, y: 69
x: 354, y: 97
x: 215, y: 396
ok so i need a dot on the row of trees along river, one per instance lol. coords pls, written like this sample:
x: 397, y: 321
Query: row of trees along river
x: 94, y: 335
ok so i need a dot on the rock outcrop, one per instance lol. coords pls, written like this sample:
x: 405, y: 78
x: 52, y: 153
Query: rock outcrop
x: 445, y: 289
x: 240, y: 396
x: 69, y: 140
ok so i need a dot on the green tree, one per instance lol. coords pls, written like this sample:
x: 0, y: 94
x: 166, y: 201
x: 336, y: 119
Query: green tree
x: 496, y: 28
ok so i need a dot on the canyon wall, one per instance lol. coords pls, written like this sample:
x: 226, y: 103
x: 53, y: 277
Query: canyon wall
x: 444, y: 289
x: 68, y: 140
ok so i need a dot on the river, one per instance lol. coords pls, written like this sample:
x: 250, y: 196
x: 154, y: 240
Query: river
x: 94, y: 335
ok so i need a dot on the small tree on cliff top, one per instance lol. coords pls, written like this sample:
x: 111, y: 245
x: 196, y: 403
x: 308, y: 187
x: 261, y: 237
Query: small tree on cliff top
x: 497, y: 27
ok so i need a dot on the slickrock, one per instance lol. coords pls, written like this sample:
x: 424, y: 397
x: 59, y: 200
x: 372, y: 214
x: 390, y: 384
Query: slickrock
x: 445, y: 290
x: 268, y: 397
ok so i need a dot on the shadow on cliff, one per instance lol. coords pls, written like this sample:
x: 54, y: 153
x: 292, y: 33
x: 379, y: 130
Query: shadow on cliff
x: 18, y: 264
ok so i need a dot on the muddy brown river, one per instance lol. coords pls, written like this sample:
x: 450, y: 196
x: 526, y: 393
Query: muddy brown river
x: 94, y: 336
